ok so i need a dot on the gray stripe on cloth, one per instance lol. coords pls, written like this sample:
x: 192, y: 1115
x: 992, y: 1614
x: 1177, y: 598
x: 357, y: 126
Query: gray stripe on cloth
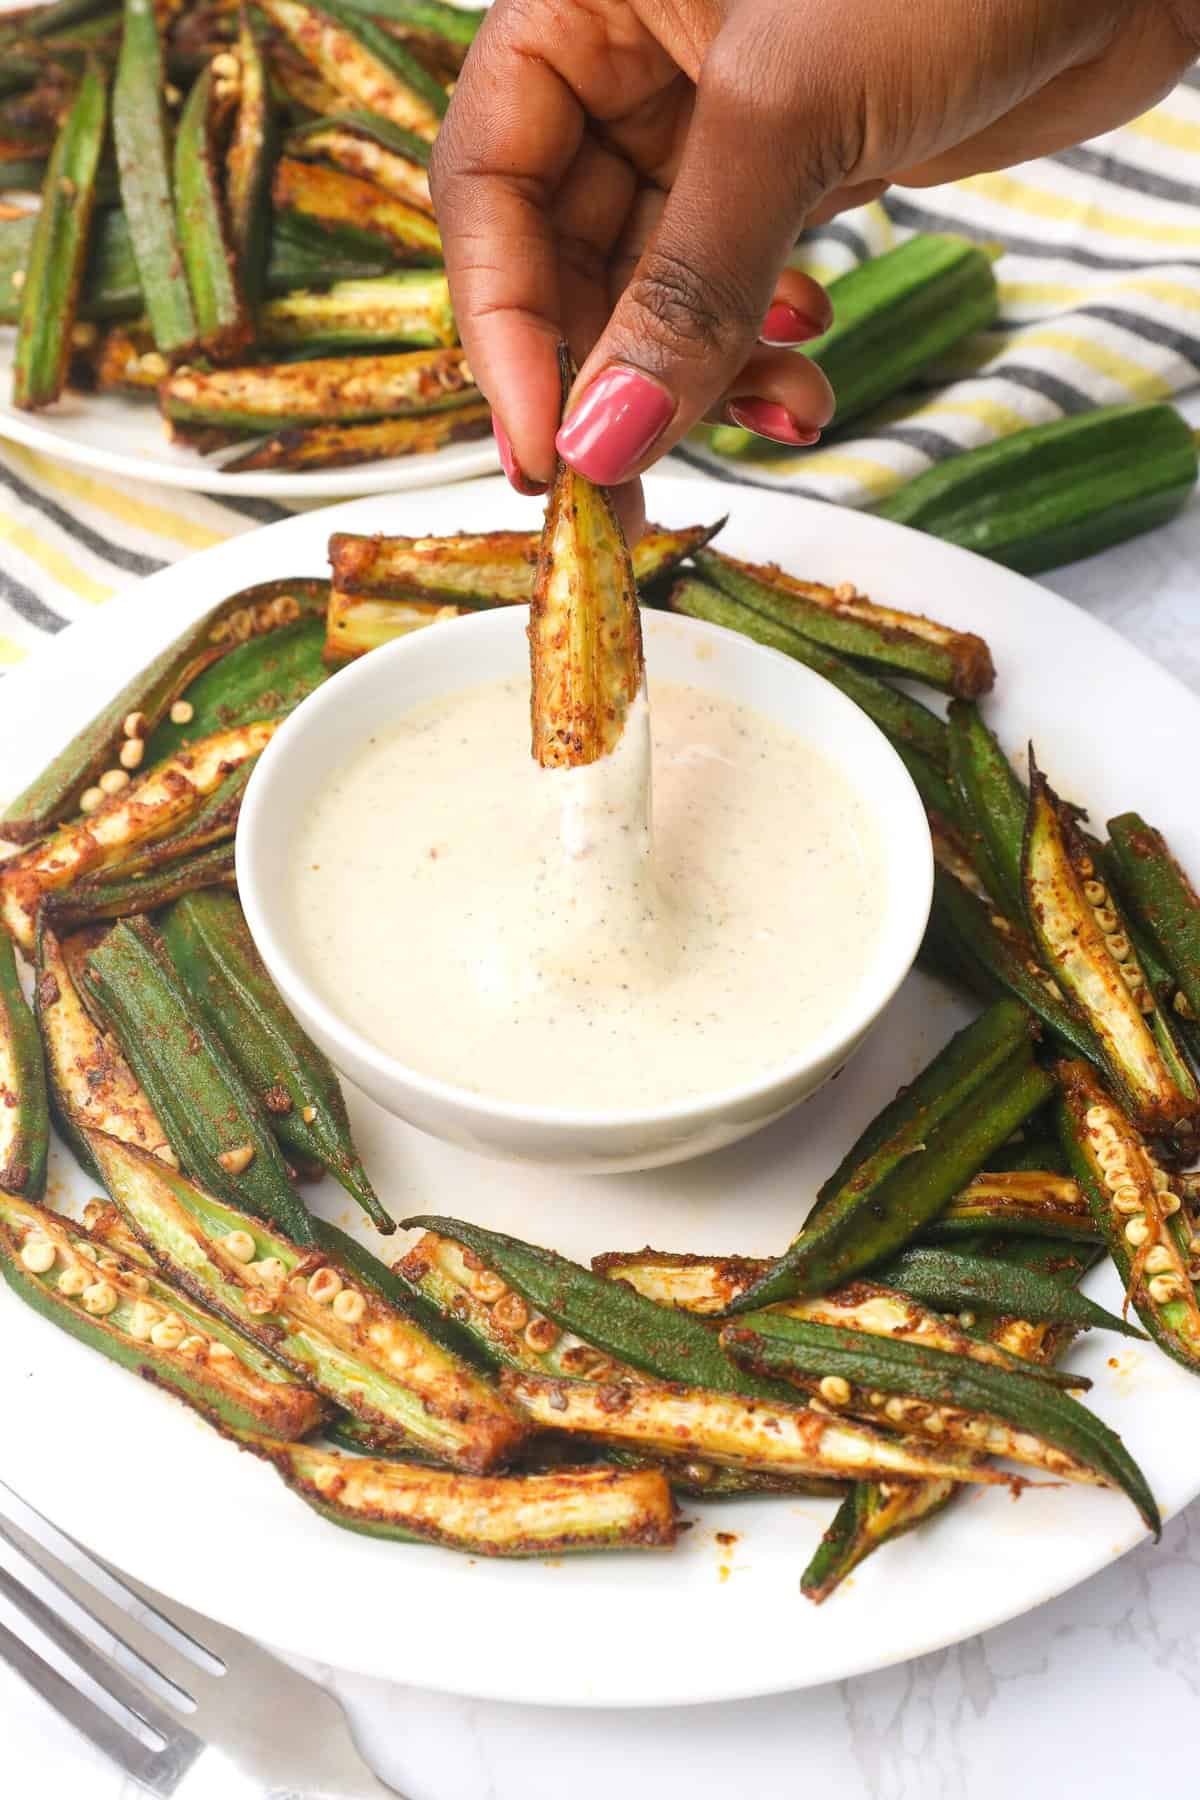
x: 28, y: 605
x: 1103, y: 167
x: 923, y: 218
x: 1183, y: 343
x: 131, y: 561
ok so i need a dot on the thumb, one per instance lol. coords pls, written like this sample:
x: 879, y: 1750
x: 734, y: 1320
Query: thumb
x: 688, y: 320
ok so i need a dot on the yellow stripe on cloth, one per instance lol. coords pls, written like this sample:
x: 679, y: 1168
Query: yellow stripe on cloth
x: 1144, y: 383
x: 1061, y: 293
x: 58, y: 566
x: 1000, y: 419
x: 11, y: 652
x: 1162, y: 127
x: 875, y: 478
x: 142, y: 514
x: 1023, y: 196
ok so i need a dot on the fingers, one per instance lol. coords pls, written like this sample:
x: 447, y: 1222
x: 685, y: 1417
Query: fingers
x: 776, y: 394
x: 686, y: 325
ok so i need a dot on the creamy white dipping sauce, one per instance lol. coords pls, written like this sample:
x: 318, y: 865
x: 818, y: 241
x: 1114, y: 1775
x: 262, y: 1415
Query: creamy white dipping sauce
x: 513, y: 930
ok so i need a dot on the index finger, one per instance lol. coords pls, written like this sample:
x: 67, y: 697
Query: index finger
x: 511, y: 133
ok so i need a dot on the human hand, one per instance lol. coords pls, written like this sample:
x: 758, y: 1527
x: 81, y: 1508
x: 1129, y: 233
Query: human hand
x: 631, y: 175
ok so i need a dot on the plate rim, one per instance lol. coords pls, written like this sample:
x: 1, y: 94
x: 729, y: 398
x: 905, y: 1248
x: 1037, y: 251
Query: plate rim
x: 498, y: 1685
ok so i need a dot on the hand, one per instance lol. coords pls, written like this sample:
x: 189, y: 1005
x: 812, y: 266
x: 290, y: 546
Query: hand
x: 631, y: 175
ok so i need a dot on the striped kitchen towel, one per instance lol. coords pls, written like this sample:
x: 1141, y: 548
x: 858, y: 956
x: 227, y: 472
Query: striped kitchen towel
x: 1100, y: 302
x: 1099, y: 286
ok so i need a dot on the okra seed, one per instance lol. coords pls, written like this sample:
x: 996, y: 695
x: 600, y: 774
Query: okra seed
x: 268, y: 1270
x: 1095, y: 1117
x: 219, y: 1352
x: 257, y: 1303
x: 165, y: 1154
x: 225, y: 63
x: 1085, y: 866
x: 154, y: 364
x: 1094, y: 894
x: 896, y: 1411
x: 99, y: 1298
x: 1107, y: 919
x: 112, y: 781
x: 1164, y: 1288
x: 1127, y: 1200
x: 541, y: 1334
x: 169, y: 1333
x: 139, y: 1283
x: 236, y: 1160
x: 145, y: 1318
x: 511, y: 1313
x: 91, y: 799
x: 287, y: 609
x: 182, y: 713
x: 240, y: 1245
x: 1194, y: 1246
x: 135, y: 725
x: 171, y: 94
x: 18, y: 279
x: 72, y: 1281
x: 1158, y: 1260
x: 195, y: 1345
x: 308, y: 1114
x: 933, y: 1422
x: 38, y: 1255
x: 1118, y: 943
x: 1137, y: 1231
x: 835, y: 1389
x: 488, y: 1286
x: 349, y: 1306
x: 132, y: 752
x: 875, y: 1398
x: 1183, y: 1005
x: 106, y: 1260
x: 966, y: 1320
x: 1170, y: 1204
x: 324, y: 1285
x: 326, y: 1477
x: 241, y: 623
x: 264, y: 617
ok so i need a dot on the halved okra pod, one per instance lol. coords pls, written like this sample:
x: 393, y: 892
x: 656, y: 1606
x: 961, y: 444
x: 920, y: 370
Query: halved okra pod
x: 140, y: 135
x: 311, y: 1311
x: 137, y: 814
x: 1087, y: 950
x: 1137, y: 1208
x: 410, y: 307
x: 356, y: 56
x: 89, y: 1081
x: 223, y: 322
x: 914, y: 1157
x: 526, y: 1515
x: 266, y: 395
x: 214, y: 955
x: 364, y: 144
x: 928, y: 1392
x: 24, y: 1108
x: 373, y: 440
x: 57, y: 255
x: 332, y: 197
x: 55, y: 794
x: 886, y: 640
x: 248, y: 163
x: 215, y: 1125
x: 1163, y: 901
x: 149, y: 1327
x: 1026, y: 1201
x: 897, y: 714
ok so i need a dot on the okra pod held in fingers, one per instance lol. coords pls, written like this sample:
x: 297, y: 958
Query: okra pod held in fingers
x: 948, y: 1397
x: 843, y: 620
x: 24, y: 1111
x: 314, y: 1313
x: 215, y: 1125
x: 525, y: 1515
x: 54, y: 272
x: 209, y: 943
x: 347, y: 388
x: 1080, y: 934
x: 147, y: 1326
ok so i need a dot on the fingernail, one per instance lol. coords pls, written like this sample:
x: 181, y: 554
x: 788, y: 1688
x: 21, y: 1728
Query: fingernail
x: 767, y: 419
x: 613, y: 426
x: 508, y: 462
x: 785, y: 325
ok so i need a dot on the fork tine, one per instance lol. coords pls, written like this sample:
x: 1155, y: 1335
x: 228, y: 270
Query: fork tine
x: 105, y: 1733
x: 87, y: 1659
x: 39, y: 1557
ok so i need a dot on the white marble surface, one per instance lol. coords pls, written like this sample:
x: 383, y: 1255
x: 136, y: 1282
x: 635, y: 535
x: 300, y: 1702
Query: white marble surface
x: 1067, y: 1697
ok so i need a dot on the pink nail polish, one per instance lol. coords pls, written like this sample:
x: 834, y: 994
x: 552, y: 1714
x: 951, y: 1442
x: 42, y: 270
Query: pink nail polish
x: 767, y: 419
x: 610, y: 430
x: 508, y: 462
x: 785, y: 325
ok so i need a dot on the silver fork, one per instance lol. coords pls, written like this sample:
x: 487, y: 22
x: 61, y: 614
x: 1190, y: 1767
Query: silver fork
x: 258, y: 1728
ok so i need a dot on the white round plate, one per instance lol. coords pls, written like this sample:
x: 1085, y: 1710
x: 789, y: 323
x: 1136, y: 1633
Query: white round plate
x: 148, y: 1484
x: 122, y: 434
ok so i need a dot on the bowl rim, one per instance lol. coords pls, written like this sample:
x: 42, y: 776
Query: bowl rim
x: 836, y: 1042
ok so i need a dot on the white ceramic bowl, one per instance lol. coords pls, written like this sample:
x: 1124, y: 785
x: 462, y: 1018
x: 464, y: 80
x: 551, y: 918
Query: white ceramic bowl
x: 326, y: 730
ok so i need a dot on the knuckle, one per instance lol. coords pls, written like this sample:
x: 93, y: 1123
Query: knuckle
x: 687, y: 314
